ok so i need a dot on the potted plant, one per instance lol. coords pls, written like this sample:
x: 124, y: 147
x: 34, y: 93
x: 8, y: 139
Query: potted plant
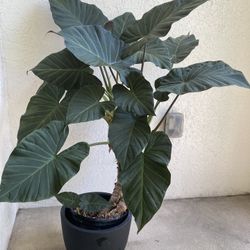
x: 71, y: 93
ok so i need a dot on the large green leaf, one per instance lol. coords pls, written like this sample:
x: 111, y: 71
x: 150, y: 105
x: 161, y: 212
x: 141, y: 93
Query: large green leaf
x: 128, y: 135
x: 179, y: 48
x: 120, y: 23
x: 156, y: 52
x: 93, y: 45
x: 199, y: 77
x: 158, y: 21
x: 85, y: 105
x: 146, y: 179
x: 69, y: 199
x: 68, y: 13
x: 63, y: 69
x: 93, y: 202
x: 47, y: 105
x: 35, y: 171
x: 138, y: 98
x: 88, y: 202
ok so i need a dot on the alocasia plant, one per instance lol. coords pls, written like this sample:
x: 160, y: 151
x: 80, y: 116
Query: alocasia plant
x: 36, y: 170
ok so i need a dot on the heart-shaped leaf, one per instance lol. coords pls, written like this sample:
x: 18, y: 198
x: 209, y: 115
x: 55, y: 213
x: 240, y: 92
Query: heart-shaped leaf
x: 85, y: 105
x: 158, y: 21
x: 156, y: 51
x: 128, y: 135
x: 138, y: 98
x: 88, y: 202
x: 93, y: 45
x: 35, y: 171
x: 120, y: 23
x: 62, y: 69
x: 92, y: 202
x: 47, y: 105
x: 179, y: 48
x: 68, y: 13
x: 146, y: 179
x: 199, y: 77
x: 69, y: 199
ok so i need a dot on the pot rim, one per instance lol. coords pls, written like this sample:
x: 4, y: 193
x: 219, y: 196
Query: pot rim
x: 63, y: 215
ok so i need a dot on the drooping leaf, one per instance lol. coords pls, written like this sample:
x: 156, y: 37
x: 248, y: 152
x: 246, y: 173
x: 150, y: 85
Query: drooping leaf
x: 62, y: 69
x: 47, y: 105
x: 85, y: 105
x: 93, y: 45
x: 156, y: 52
x: 68, y: 13
x: 138, y: 98
x: 69, y: 199
x: 133, y: 48
x: 120, y: 23
x: 199, y: 77
x: 161, y: 96
x: 128, y: 135
x: 146, y: 179
x: 93, y: 202
x: 179, y: 48
x: 158, y: 21
x: 35, y: 171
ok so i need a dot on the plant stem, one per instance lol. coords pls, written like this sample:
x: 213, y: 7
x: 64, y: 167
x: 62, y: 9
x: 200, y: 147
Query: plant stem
x: 156, y: 105
x: 143, y: 58
x: 170, y: 107
x: 107, y: 77
x: 113, y: 75
x: 104, y: 79
x: 99, y: 143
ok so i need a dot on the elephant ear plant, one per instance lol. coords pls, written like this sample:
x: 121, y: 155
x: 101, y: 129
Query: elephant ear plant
x: 37, y: 169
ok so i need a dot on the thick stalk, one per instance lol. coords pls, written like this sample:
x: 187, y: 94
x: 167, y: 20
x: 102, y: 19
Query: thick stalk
x: 106, y: 84
x: 99, y: 143
x: 113, y: 75
x: 170, y: 107
x: 107, y: 77
x: 143, y: 58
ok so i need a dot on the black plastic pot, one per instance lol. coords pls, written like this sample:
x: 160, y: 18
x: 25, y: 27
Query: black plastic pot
x: 94, y: 234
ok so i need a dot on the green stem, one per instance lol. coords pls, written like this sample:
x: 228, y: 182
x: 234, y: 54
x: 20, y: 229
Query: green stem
x: 143, y: 58
x: 113, y: 75
x: 99, y: 143
x: 107, y: 77
x: 156, y: 105
x: 170, y: 107
x: 104, y: 79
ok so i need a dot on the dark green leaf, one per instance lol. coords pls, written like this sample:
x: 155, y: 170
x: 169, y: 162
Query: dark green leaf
x: 62, y: 69
x: 146, y: 179
x: 128, y: 135
x: 138, y: 99
x: 35, y: 171
x: 179, y: 48
x: 85, y: 105
x: 158, y: 21
x: 199, y: 77
x: 93, y: 45
x: 93, y: 202
x: 120, y: 23
x: 44, y: 107
x: 133, y: 48
x: 161, y: 96
x: 156, y: 52
x: 68, y: 13
x: 69, y: 199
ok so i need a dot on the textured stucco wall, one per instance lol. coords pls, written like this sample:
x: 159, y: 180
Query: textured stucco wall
x: 212, y: 157
x: 7, y: 211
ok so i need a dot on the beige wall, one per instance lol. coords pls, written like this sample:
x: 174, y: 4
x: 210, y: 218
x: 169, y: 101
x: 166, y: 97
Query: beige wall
x: 212, y: 158
x: 7, y: 211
